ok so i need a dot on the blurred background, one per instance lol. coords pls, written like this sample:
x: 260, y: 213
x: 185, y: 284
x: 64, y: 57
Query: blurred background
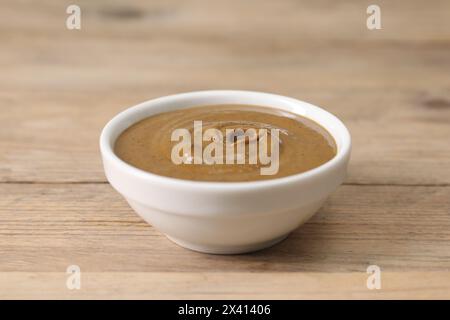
x: 63, y: 85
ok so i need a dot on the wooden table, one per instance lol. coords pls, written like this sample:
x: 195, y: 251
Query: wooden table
x: 59, y: 87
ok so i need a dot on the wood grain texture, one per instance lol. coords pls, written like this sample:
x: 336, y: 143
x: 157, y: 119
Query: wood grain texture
x: 397, y: 137
x: 232, y: 285
x: 390, y: 87
x: 91, y: 226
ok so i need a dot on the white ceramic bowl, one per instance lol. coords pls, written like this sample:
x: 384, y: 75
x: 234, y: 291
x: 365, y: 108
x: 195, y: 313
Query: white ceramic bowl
x: 225, y: 217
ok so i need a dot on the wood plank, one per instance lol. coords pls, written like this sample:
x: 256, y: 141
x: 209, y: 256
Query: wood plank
x: 264, y: 18
x: 45, y: 228
x: 231, y: 285
x: 282, y: 50
x: 58, y: 88
x: 399, y: 137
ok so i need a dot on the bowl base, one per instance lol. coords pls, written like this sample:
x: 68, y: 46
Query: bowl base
x: 227, y: 249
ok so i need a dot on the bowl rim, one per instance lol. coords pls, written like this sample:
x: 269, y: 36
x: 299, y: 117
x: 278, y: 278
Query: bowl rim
x: 107, y: 152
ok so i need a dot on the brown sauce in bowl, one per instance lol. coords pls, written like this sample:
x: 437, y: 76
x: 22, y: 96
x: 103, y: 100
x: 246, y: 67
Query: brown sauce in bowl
x: 302, y: 143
